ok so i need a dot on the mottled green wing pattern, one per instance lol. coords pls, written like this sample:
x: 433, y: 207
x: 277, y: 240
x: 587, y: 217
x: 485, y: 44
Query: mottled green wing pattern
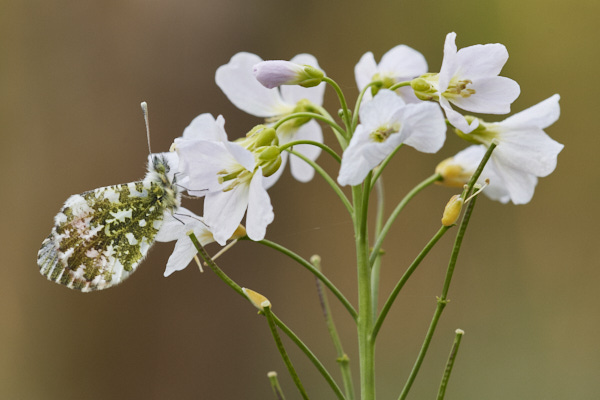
x: 101, y: 236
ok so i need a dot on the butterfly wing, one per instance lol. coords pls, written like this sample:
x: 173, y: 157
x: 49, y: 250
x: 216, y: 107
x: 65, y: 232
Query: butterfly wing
x: 101, y: 236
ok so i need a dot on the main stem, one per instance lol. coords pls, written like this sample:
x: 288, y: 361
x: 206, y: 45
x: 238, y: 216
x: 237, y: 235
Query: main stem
x: 366, y: 347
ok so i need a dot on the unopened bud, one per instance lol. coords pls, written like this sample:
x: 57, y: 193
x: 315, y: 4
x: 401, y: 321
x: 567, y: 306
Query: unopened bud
x: 453, y: 174
x: 452, y: 210
x: 278, y: 72
x: 258, y: 300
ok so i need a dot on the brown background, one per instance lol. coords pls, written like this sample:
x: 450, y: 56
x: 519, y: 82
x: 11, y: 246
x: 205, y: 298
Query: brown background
x: 72, y: 75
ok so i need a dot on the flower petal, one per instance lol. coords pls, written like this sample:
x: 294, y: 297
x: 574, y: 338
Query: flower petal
x: 425, y: 125
x: 205, y: 127
x: 300, y: 169
x: 482, y: 60
x: 294, y: 93
x: 402, y: 63
x: 260, y: 211
x: 364, y: 70
x: 237, y: 81
x: 493, y: 95
x: 223, y: 211
x: 541, y: 115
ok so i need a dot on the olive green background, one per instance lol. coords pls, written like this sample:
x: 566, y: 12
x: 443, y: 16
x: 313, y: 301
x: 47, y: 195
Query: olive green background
x: 72, y: 75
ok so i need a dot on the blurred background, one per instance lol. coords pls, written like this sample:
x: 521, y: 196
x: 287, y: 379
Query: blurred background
x: 72, y: 75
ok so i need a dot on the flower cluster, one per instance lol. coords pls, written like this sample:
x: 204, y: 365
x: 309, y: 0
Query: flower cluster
x: 399, y: 103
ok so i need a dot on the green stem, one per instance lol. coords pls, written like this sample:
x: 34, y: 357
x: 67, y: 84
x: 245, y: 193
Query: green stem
x: 345, y: 111
x: 342, y: 357
x: 327, y: 179
x: 288, y: 363
x: 277, y: 391
x: 311, y: 356
x: 399, y: 85
x: 376, y: 269
x: 336, y: 292
x: 366, y: 347
x: 396, y: 212
x: 324, y: 118
x: 442, y: 300
x: 359, y: 102
x: 450, y: 364
x: 379, y: 170
x: 324, y: 147
x: 392, y: 297
x: 208, y: 260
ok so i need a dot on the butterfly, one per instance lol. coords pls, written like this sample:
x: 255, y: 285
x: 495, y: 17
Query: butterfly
x: 101, y: 236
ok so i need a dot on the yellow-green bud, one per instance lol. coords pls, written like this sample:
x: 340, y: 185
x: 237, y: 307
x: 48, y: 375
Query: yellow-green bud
x: 452, y: 210
x: 312, y: 76
x: 423, y: 88
x: 266, y: 137
x: 453, y: 174
x: 258, y: 300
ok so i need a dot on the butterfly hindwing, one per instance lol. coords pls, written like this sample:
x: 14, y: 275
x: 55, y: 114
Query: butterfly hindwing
x: 101, y: 236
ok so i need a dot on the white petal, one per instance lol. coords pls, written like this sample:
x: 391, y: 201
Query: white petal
x: 529, y: 150
x: 519, y: 185
x: 425, y: 125
x: 182, y: 255
x: 449, y: 63
x: 380, y: 110
x: 482, y: 60
x: 205, y: 127
x: 237, y: 81
x: 402, y: 63
x: 242, y: 156
x: 260, y: 211
x: 457, y: 119
x: 302, y: 171
x: 493, y: 95
x: 354, y: 166
x: 364, y: 70
x: 540, y: 115
x: 201, y: 161
x: 223, y: 211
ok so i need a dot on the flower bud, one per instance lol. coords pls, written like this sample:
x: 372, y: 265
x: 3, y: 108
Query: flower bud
x: 452, y: 210
x: 453, y: 174
x: 423, y: 87
x: 278, y: 72
x: 258, y: 300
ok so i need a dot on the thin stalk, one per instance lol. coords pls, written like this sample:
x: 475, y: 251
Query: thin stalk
x: 345, y: 111
x: 366, y: 347
x: 450, y: 364
x: 379, y: 170
x: 324, y: 118
x: 376, y: 269
x: 392, y: 297
x: 208, y: 260
x: 277, y: 391
x: 342, y: 357
x: 396, y: 212
x: 359, y: 101
x: 336, y: 292
x: 442, y: 300
x: 327, y: 179
x: 323, y: 147
x: 311, y: 356
x: 286, y: 359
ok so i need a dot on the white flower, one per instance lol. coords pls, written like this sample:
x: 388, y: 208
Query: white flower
x: 524, y: 152
x: 177, y: 228
x: 386, y: 122
x: 469, y: 79
x: 236, y: 79
x: 399, y: 64
x: 227, y: 175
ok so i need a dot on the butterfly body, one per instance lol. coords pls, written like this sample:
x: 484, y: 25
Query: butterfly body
x: 101, y: 236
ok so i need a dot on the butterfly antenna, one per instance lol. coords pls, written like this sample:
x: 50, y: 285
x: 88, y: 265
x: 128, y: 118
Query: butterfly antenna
x: 145, y: 112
